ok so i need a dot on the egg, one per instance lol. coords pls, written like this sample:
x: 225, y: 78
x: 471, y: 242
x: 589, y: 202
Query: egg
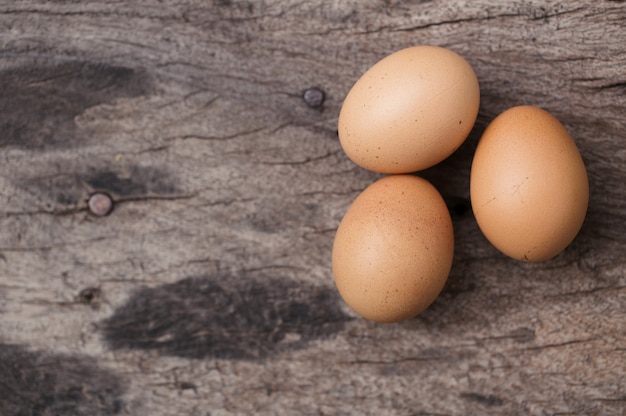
x: 409, y: 111
x: 528, y: 184
x: 393, y: 249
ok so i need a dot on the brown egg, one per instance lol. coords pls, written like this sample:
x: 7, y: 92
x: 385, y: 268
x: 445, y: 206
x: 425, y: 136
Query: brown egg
x: 528, y: 184
x: 393, y: 249
x: 409, y: 111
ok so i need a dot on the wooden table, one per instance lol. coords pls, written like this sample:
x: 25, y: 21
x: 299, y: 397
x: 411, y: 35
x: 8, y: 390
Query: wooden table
x: 208, y: 289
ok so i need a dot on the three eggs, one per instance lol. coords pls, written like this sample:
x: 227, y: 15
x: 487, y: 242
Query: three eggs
x: 394, y: 247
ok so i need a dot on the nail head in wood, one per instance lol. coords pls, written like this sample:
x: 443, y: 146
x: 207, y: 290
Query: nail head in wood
x: 100, y: 204
x: 314, y: 97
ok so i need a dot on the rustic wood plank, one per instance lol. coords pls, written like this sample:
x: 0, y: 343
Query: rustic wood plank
x: 208, y: 289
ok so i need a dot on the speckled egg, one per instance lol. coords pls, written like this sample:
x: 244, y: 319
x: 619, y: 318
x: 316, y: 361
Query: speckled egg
x: 528, y: 184
x: 393, y: 249
x: 410, y: 110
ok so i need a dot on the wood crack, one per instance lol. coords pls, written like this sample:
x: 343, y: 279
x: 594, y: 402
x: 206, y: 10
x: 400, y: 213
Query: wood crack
x: 91, y: 13
x: 612, y: 86
x: 54, y: 246
x: 216, y: 138
x: 476, y: 19
x: 303, y: 161
x: 561, y: 344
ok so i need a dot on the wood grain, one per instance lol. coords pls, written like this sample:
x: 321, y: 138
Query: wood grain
x: 208, y: 289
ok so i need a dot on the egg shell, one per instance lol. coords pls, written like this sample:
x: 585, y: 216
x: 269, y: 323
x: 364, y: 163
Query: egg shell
x: 409, y: 111
x: 393, y: 249
x: 528, y: 184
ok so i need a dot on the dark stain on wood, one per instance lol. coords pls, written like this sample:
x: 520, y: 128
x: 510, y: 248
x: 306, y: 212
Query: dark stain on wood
x: 139, y: 181
x: 64, y: 191
x: 486, y: 400
x: 40, y: 100
x: 223, y: 317
x: 90, y: 296
x: 275, y: 216
x: 523, y: 335
x: 38, y: 383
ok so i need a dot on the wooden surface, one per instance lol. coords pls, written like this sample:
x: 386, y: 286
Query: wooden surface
x: 208, y: 289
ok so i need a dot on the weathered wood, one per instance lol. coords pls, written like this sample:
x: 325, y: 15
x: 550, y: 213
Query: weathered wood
x: 208, y: 289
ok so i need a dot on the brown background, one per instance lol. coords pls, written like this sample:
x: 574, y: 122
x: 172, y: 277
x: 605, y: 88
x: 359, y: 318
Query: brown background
x: 208, y: 289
